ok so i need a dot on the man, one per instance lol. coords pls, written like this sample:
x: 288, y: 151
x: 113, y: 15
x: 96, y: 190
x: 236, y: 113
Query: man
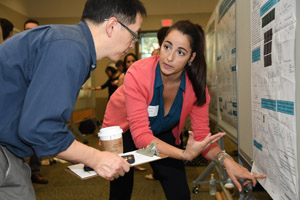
x: 30, y: 23
x: 35, y: 162
x: 41, y: 73
x: 7, y: 28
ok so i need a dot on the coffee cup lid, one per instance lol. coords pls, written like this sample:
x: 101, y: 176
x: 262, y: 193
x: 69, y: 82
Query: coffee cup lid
x: 110, y: 133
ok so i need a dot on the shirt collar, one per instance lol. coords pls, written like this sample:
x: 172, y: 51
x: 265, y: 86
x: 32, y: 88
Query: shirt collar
x: 91, y: 44
x: 182, y: 83
x: 158, y: 80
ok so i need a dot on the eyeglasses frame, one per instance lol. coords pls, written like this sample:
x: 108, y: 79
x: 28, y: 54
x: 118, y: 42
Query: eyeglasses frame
x: 135, y: 36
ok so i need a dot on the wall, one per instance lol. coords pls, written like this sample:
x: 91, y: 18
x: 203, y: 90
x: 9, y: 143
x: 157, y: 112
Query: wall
x: 153, y: 22
x: 244, y: 79
x: 16, y: 18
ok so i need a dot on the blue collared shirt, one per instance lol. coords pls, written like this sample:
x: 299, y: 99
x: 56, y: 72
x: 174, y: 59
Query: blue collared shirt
x: 160, y: 123
x: 41, y: 73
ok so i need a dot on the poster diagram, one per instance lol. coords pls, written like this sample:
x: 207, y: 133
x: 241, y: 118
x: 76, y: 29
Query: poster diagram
x: 226, y: 62
x: 211, y: 70
x: 273, y: 28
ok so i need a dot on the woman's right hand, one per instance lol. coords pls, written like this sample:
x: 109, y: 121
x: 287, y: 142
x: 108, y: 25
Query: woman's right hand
x: 194, y: 148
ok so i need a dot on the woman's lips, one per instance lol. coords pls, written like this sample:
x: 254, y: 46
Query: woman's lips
x: 167, y: 66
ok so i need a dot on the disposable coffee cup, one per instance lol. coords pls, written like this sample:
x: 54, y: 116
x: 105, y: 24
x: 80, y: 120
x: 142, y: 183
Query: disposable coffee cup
x: 111, y: 139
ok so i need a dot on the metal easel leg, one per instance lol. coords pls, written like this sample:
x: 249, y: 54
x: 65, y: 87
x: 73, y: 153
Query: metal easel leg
x: 200, y: 180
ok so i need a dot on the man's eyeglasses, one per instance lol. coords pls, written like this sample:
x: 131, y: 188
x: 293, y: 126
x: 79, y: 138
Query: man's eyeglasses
x: 135, y: 36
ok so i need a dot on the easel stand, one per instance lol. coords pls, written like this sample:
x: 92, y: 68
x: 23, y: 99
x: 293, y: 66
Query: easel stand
x: 222, y: 179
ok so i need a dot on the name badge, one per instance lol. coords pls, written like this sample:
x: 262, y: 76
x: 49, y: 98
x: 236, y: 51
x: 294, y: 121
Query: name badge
x: 153, y: 111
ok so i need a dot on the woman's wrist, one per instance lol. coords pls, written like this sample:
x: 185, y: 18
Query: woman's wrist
x: 221, y: 157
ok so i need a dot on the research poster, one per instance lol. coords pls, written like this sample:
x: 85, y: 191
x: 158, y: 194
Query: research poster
x: 226, y: 62
x: 273, y: 29
x: 211, y: 69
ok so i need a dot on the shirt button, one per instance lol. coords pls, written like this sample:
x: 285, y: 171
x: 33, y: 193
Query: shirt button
x: 93, y: 66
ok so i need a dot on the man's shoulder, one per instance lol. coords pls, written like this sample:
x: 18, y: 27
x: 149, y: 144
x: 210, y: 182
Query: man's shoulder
x: 63, y: 32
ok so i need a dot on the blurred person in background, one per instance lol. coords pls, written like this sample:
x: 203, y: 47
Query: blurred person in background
x: 112, y: 82
x: 7, y: 28
x: 128, y: 61
x: 120, y: 66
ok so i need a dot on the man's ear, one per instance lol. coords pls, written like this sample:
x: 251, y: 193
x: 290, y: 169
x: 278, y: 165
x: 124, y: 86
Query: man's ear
x: 110, y: 25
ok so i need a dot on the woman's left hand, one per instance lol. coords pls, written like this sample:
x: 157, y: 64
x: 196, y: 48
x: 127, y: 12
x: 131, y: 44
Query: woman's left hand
x: 236, y: 171
x: 194, y: 148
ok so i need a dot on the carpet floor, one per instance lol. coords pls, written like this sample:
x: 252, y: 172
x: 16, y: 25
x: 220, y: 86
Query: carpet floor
x: 66, y: 186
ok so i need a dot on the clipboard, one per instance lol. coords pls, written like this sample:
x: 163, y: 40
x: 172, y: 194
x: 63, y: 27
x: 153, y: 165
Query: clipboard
x: 77, y: 169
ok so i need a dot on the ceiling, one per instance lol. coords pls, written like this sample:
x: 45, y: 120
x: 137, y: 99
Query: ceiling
x: 73, y: 8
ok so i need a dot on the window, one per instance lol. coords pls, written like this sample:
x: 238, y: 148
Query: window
x: 148, y: 42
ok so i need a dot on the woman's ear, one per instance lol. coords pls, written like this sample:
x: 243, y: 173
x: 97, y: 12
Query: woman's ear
x: 110, y: 24
x: 192, y: 57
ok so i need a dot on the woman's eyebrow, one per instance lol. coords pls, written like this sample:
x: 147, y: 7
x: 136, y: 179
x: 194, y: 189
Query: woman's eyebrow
x: 182, y: 49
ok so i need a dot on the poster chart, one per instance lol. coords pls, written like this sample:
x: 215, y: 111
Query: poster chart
x: 211, y: 69
x: 226, y: 62
x: 273, y: 29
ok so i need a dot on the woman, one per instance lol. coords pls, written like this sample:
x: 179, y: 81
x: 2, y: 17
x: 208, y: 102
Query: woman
x: 112, y: 82
x: 128, y: 61
x: 159, y: 93
x: 120, y: 66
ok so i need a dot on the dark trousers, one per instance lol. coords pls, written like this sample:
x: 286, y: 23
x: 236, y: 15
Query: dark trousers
x: 170, y: 172
x: 35, y: 164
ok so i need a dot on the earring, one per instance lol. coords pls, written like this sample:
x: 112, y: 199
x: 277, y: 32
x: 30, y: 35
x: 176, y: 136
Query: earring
x: 189, y: 63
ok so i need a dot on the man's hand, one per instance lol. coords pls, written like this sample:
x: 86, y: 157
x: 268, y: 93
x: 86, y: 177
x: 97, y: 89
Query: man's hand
x: 110, y: 165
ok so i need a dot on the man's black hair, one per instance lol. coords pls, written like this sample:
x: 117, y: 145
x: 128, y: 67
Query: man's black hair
x: 124, y: 10
x: 31, y: 21
x: 7, y: 27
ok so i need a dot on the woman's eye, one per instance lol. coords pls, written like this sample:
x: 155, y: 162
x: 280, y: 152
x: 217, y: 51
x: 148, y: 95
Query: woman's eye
x: 166, y: 47
x: 181, y: 53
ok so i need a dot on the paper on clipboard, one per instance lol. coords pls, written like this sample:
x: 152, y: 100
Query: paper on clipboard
x: 139, y: 159
x: 78, y: 170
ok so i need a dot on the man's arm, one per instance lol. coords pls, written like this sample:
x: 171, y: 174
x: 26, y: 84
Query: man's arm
x: 108, y: 165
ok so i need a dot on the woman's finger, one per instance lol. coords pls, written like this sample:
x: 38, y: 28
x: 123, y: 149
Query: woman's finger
x: 236, y: 183
x: 259, y: 175
x: 191, y: 134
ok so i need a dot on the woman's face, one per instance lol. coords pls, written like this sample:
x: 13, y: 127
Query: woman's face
x: 109, y: 73
x: 174, y: 54
x: 129, y: 61
x: 120, y: 68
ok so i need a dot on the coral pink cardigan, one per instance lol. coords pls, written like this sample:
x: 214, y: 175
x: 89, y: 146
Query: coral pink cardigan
x: 128, y: 105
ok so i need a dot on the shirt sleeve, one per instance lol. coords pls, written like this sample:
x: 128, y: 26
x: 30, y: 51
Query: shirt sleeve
x: 106, y: 84
x: 56, y: 79
x: 137, y: 108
